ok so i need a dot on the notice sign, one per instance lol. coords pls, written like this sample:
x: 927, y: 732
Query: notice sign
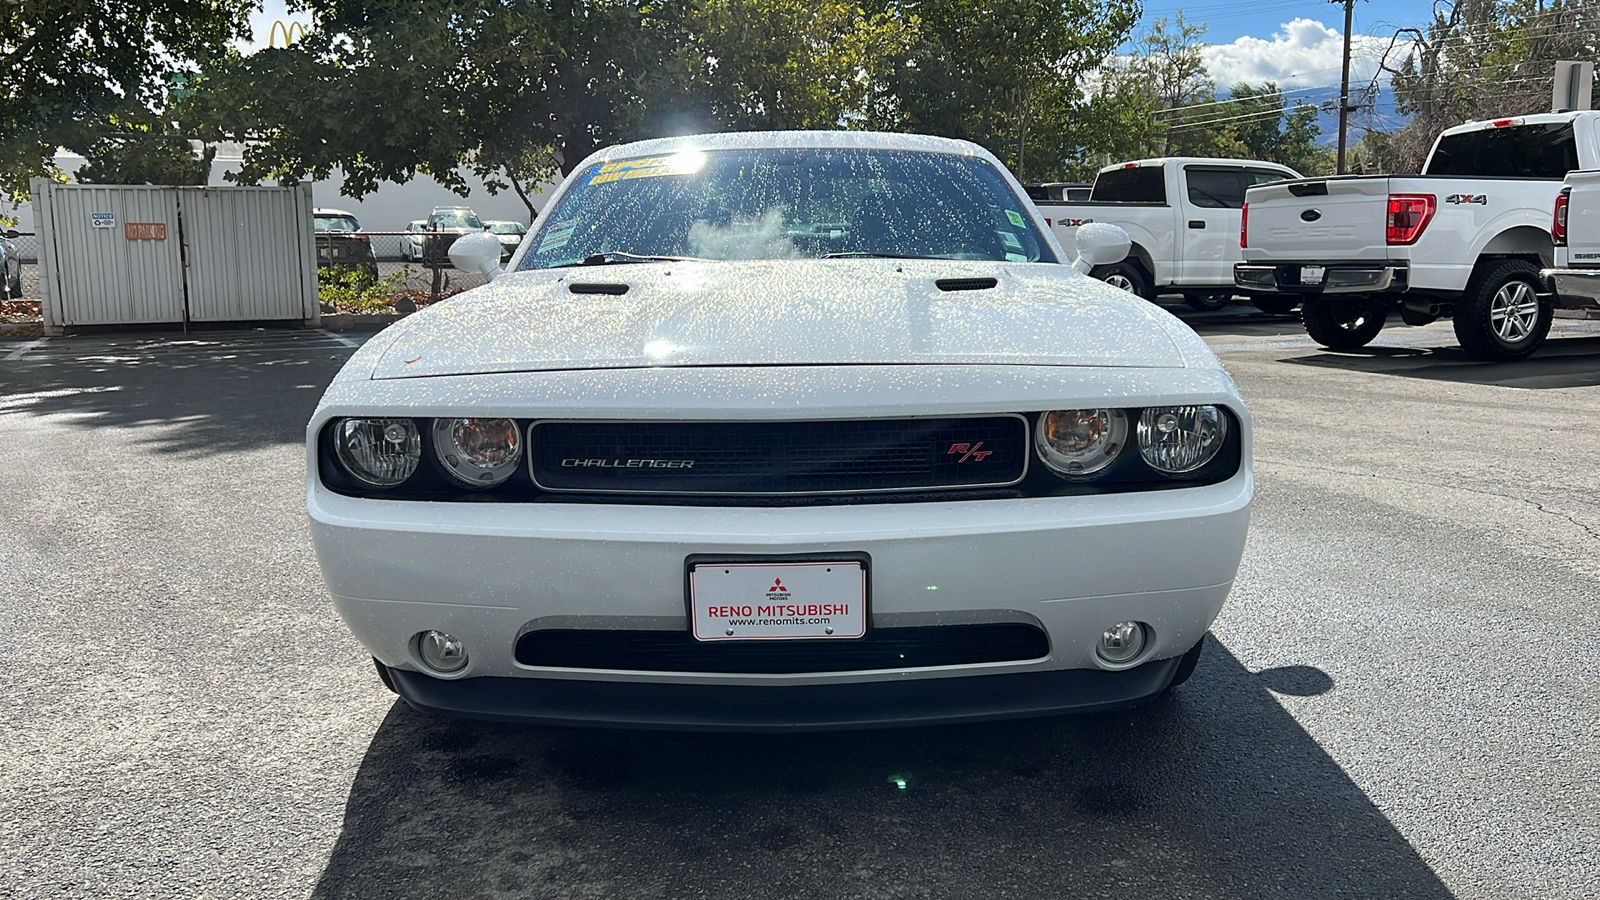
x: 144, y: 231
x: 103, y: 220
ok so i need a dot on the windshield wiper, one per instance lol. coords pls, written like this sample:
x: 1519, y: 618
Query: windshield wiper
x: 867, y: 254
x: 614, y: 257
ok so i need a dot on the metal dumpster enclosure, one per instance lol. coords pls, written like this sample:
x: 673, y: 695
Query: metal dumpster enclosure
x: 139, y: 254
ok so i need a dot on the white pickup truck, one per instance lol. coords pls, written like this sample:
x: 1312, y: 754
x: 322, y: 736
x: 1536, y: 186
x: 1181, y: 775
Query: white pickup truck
x: 1182, y: 214
x: 1466, y: 238
x: 1574, y: 280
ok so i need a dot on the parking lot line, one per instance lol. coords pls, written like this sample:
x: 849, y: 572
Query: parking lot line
x: 339, y: 337
x: 17, y: 353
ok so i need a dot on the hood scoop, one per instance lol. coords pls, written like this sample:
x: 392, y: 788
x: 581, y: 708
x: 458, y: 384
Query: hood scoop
x: 966, y: 284
x: 613, y: 290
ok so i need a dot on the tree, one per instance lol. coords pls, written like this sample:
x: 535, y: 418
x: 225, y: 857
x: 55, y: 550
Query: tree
x: 1168, y: 75
x: 1006, y: 74
x: 146, y: 153
x: 69, y: 68
x: 1477, y: 59
x: 524, y: 89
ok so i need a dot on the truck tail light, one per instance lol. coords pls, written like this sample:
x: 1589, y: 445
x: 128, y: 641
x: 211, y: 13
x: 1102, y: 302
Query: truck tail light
x: 1244, y: 226
x: 1409, y: 214
x: 1558, y: 227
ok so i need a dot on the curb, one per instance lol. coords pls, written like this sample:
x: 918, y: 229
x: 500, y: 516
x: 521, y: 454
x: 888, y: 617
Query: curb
x: 359, y: 321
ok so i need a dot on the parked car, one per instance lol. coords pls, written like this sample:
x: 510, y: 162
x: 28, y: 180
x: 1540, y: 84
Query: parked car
x: 509, y: 234
x: 411, y: 243
x: 446, y: 224
x: 1466, y: 239
x: 771, y: 431
x: 340, y: 243
x: 10, y: 267
x: 1183, y: 214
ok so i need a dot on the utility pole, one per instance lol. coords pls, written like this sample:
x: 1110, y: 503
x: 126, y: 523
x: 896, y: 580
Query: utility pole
x: 1344, y: 82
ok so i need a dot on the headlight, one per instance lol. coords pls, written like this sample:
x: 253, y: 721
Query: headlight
x: 478, y: 452
x: 1177, y: 440
x: 378, y: 452
x: 1078, y: 443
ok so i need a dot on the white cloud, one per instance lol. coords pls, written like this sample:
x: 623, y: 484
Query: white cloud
x: 1304, y: 54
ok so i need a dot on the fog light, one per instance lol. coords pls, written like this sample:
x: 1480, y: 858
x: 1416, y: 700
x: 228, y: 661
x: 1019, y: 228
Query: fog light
x: 442, y: 652
x: 1121, y: 642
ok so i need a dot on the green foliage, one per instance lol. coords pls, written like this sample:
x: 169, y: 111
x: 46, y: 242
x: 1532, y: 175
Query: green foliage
x: 354, y: 291
x: 1005, y: 74
x: 69, y: 67
x: 148, y: 154
x: 520, y: 90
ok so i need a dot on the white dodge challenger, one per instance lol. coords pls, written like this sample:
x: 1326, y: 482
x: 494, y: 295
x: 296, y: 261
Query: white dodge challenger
x: 782, y: 430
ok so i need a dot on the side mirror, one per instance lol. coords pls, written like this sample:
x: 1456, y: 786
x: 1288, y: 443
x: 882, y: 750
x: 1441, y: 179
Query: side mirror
x: 1100, y: 244
x: 13, y: 233
x: 478, y: 253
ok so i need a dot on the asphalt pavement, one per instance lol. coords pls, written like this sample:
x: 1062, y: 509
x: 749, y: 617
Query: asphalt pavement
x: 1401, y: 698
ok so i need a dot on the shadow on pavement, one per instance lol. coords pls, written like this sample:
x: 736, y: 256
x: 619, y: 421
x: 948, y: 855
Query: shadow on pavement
x: 1558, y: 363
x: 204, y: 392
x: 1214, y: 791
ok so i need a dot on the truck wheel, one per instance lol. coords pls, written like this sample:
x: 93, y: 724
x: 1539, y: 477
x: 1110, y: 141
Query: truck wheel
x: 1276, y: 304
x: 1343, y: 323
x: 1124, y: 275
x: 1208, y: 301
x: 1500, y: 317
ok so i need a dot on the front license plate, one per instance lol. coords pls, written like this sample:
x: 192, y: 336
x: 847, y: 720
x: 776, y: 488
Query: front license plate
x: 746, y: 601
x: 1312, y: 274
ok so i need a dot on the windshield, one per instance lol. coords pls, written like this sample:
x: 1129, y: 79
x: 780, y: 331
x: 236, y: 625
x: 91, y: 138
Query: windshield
x: 458, y: 219
x: 507, y: 228
x: 335, y: 223
x: 790, y: 204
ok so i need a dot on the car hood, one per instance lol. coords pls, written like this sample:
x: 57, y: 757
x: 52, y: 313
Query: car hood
x: 784, y: 313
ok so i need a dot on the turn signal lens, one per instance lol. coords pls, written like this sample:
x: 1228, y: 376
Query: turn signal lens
x: 378, y: 452
x: 1409, y: 214
x: 1558, y: 227
x: 478, y: 452
x: 1078, y: 443
x: 1177, y: 440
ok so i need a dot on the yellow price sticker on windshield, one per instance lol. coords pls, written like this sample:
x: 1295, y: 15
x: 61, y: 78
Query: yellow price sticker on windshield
x: 651, y: 167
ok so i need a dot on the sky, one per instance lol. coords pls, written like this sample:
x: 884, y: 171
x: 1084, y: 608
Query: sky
x: 1295, y: 43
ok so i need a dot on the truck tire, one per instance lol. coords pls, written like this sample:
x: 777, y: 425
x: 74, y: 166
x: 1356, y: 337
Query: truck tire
x: 1500, y: 316
x: 1343, y: 323
x: 1125, y: 275
x: 1275, y: 304
x: 1208, y: 301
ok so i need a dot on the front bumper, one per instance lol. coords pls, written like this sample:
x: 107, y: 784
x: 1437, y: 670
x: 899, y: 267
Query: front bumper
x: 1072, y: 566
x: 1574, y: 287
x: 679, y: 707
x: 1337, y: 278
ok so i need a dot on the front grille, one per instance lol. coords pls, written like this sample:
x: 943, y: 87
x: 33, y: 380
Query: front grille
x: 779, y: 457
x: 882, y: 648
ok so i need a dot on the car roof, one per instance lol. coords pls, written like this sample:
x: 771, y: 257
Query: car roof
x: 324, y: 211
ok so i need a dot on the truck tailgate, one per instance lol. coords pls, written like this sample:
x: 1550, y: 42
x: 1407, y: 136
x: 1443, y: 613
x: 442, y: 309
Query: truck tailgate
x: 1583, y: 220
x: 1318, y: 219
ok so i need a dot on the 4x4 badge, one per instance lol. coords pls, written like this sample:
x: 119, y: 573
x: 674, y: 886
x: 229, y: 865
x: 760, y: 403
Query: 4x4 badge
x: 1480, y: 199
